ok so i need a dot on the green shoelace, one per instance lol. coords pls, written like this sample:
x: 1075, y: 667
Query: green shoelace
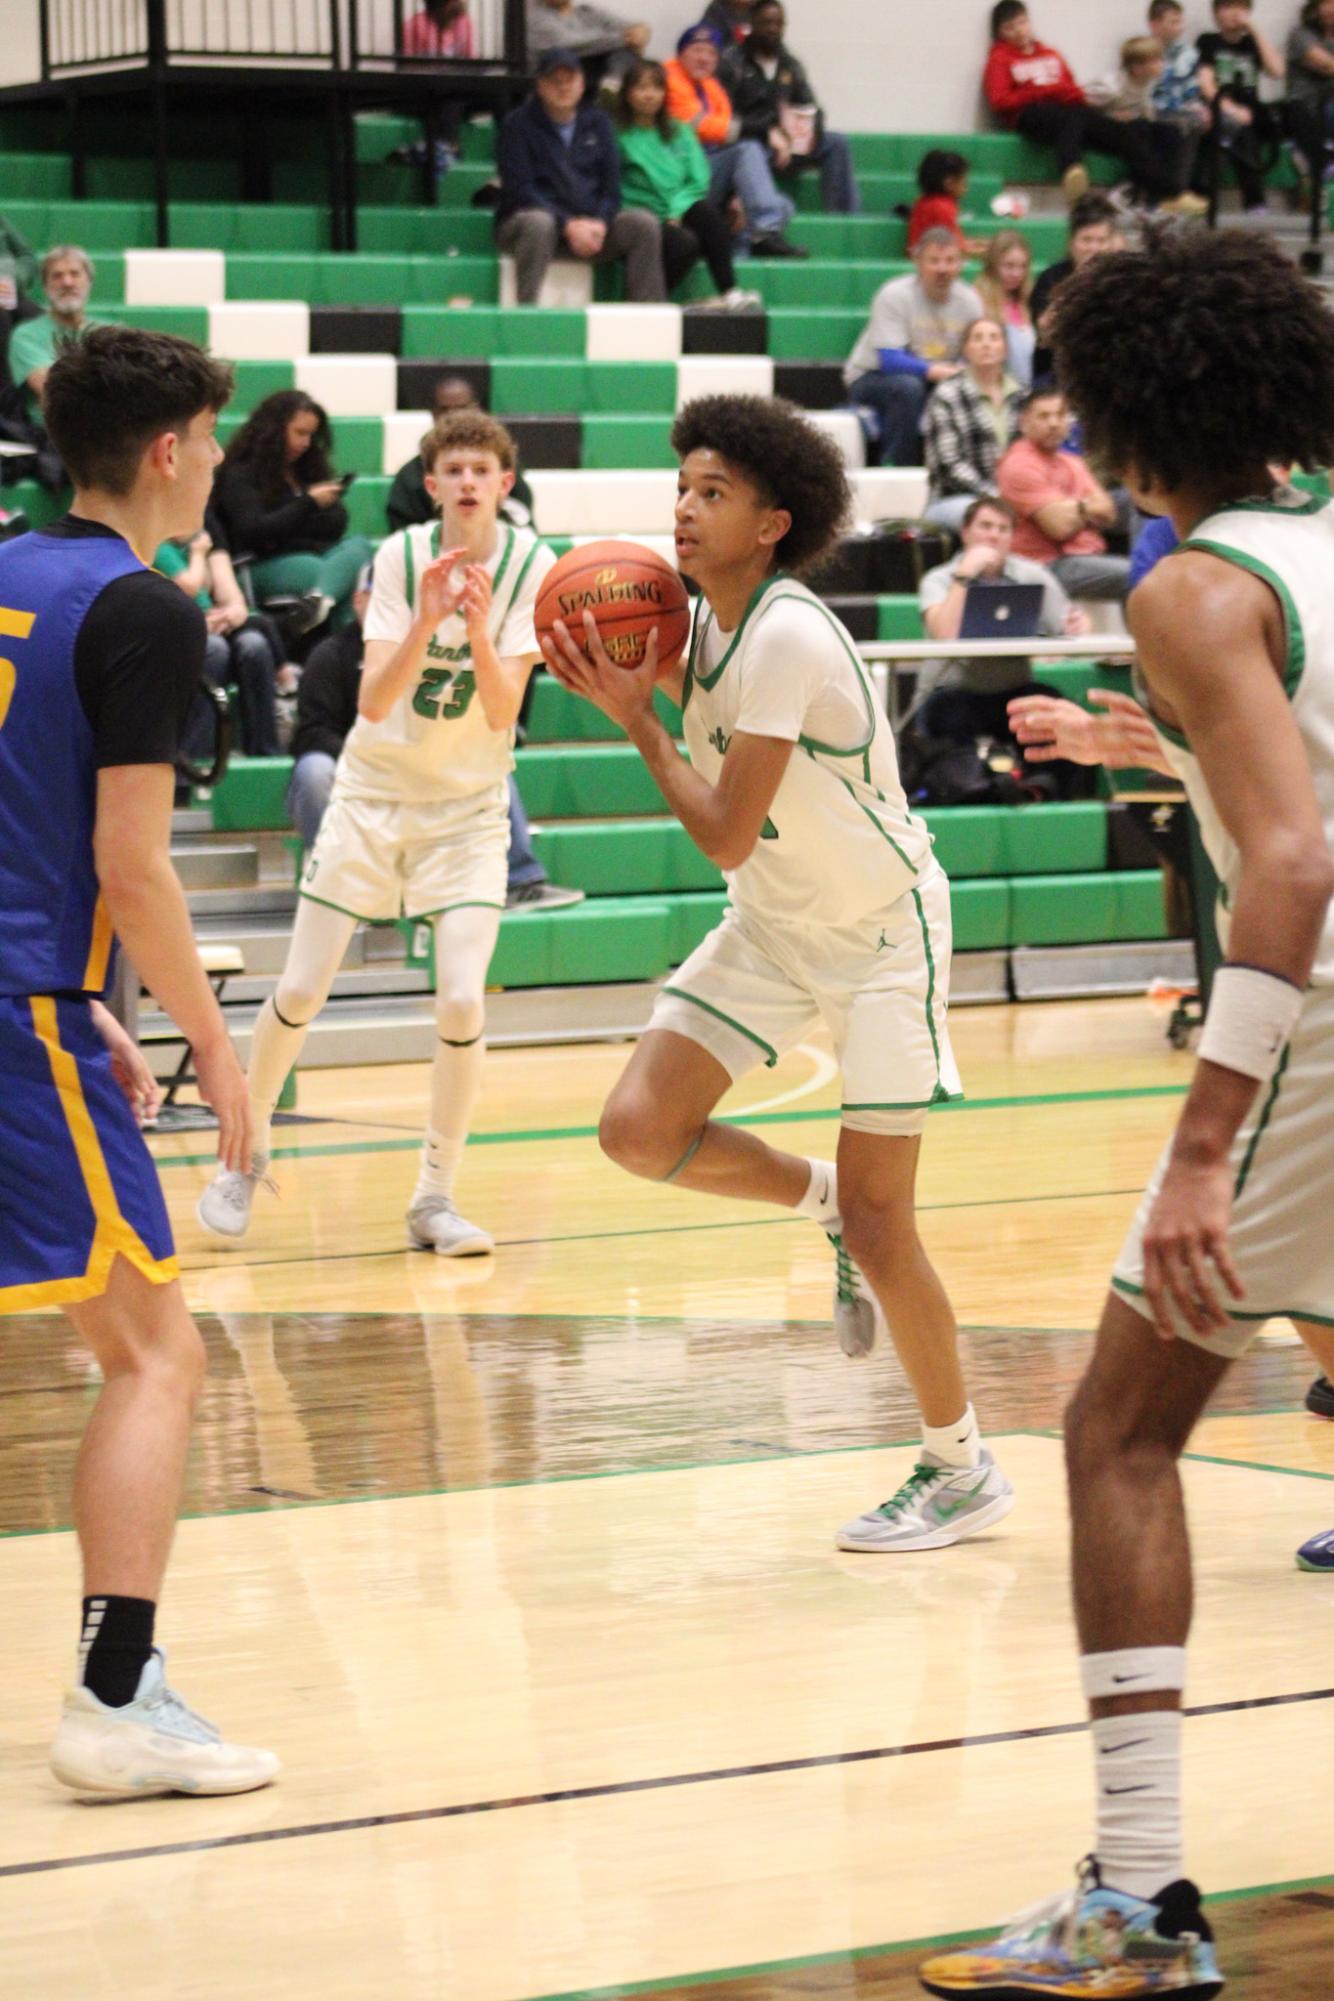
x: 921, y: 1476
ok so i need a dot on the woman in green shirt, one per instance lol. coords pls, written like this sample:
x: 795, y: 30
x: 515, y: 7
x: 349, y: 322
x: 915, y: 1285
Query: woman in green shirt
x: 664, y: 169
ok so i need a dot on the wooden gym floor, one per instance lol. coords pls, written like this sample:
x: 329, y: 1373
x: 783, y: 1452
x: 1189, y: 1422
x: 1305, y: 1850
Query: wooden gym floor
x: 525, y: 1567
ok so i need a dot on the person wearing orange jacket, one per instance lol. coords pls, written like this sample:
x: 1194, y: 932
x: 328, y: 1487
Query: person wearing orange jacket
x: 737, y: 167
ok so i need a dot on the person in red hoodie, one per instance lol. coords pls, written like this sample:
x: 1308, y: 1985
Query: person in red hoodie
x: 1030, y: 87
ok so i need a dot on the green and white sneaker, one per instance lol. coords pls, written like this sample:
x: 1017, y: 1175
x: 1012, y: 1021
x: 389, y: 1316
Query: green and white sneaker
x: 434, y: 1224
x: 858, y: 1316
x: 936, y: 1505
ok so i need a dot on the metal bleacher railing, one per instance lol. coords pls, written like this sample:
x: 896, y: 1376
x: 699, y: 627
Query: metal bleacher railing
x: 164, y: 61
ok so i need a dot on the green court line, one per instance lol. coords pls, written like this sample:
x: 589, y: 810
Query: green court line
x: 942, y: 1942
x: 786, y: 1457
x: 1256, y: 1465
x: 832, y: 1112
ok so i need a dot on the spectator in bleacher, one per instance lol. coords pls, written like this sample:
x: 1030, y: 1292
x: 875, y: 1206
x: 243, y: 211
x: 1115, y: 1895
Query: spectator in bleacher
x: 912, y: 341
x: 942, y: 183
x: 18, y: 278
x: 741, y: 177
x: 560, y: 188
x: 1234, y: 55
x: 240, y: 650
x: 970, y: 422
x: 1061, y: 509
x: 281, y: 505
x: 1130, y: 95
x: 441, y: 29
x: 326, y: 708
x: 67, y: 278
x: 1094, y: 229
x: 731, y: 18
x: 605, y: 43
x: 771, y: 94
x: 1176, y: 94
x: 1005, y: 286
x: 663, y: 169
x: 409, y: 503
x: 1311, y: 76
x: 962, y: 700
x: 1031, y: 87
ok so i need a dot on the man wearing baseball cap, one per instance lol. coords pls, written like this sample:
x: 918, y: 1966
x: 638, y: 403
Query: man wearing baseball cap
x: 560, y: 188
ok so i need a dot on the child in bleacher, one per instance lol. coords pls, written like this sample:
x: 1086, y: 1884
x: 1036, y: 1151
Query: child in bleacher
x: 1132, y: 93
x: 1233, y: 58
x: 942, y: 180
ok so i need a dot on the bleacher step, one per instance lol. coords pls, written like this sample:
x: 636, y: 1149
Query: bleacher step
x: 215, y: 867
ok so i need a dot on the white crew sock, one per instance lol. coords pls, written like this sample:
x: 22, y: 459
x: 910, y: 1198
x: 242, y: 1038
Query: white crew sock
x: 958, y: 1444
x: 1138, y: 1773
x: 456, y: 1073
x: 274, y: 1048
x: 820, y: 1201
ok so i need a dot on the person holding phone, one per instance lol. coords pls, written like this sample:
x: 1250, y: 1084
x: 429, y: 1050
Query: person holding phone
x: 282, y: 505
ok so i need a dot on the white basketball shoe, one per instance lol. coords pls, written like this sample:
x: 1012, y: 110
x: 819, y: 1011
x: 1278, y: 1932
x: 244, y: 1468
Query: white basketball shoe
x: 155, y: 1744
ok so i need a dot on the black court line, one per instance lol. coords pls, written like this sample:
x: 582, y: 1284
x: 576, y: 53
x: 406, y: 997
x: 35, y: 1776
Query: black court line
x: 618, y: 1789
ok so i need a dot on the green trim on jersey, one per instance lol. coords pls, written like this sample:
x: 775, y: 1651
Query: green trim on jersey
x: 409, y: 568
x: 343, y: 910
x: 1296, y: 638
x: 1129, y: 1290
x: 766, y: 584
x: 940, y: 1096
x: 1243, y: 1171
x: 882, y: 830
x: 770, y: 1054
x: 503, y: 564
x: 1310, y: 503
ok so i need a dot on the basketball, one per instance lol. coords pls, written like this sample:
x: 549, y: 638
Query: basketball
x: 629, y: 591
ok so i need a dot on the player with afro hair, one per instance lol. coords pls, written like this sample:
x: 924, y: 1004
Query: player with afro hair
x: 1198, y: 360
x: 789, y: 461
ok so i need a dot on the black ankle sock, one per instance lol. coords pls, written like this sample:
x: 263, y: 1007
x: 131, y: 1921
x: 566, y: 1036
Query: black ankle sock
x: 117, y: 1641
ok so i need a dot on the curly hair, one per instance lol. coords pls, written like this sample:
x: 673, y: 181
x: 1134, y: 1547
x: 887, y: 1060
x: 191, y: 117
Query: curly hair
x: 468, y: 431
x: 110, y: 394
x: 1197, y: 358
x: 261, y: 445
x: 788, y: 460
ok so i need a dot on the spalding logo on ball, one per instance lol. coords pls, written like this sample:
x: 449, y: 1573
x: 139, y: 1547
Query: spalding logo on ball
x: 630, y: 592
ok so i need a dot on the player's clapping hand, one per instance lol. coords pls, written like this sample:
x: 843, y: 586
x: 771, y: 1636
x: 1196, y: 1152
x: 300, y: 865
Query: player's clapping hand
x: 623, y: 693
x: 143, y: 1093
x: 442, y: 586
x: 1186, y: 1247
x: 476, y: 601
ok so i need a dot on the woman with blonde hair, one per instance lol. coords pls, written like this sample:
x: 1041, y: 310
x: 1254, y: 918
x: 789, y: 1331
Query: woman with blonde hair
x: 1005, y: 284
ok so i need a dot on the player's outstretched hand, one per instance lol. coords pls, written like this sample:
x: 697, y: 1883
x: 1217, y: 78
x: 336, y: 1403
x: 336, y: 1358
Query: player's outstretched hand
x: 1048, y: 726
x: 222, y: 1085
x: 1186, y: 1248
x: 143, y: 1093
x: 623, y: 693
x: 439, y: 590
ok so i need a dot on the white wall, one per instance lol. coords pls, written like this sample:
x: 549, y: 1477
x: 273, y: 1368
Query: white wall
x: 916, y: 65
x: 879, y: 65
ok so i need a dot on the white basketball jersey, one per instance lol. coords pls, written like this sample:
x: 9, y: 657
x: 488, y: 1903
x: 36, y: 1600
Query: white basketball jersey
x: 1289, y: 542
x: 436, y: 743
x: 839, y: 844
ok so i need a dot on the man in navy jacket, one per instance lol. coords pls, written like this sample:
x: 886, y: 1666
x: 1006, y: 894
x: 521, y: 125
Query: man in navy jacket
x: 560, y: 188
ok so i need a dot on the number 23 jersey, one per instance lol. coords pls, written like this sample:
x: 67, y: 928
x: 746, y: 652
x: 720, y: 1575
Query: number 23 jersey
x: 436, y: 744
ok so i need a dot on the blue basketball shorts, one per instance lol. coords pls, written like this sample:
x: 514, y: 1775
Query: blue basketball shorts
x: 78, y: 1187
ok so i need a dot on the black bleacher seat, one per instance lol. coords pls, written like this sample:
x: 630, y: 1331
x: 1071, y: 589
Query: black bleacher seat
x: 355, y: 329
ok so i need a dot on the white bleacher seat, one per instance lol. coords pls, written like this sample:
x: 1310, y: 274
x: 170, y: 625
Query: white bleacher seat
x: 262, y: 330
x: 888, y: 492
x: 568, y: 284
x: 723, y: 375
x: 632, y: 333
x: 403, y: 433
x: 843, y: 427
x: 603, y: 503
x: 350, y: 385
x: 175, y: 277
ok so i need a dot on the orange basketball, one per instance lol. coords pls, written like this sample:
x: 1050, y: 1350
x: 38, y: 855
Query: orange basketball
x: 629, y: 591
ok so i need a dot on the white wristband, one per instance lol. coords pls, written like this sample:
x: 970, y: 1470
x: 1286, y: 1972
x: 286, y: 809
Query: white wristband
x: 1251, y: 1015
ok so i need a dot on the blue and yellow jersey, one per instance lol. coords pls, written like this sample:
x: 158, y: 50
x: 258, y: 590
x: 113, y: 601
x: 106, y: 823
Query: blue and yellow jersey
x: 98, y: 658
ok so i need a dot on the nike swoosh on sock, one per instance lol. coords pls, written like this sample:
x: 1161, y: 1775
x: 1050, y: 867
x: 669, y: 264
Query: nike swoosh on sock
x: 1111, y: 1791
x: 1110, y: 1750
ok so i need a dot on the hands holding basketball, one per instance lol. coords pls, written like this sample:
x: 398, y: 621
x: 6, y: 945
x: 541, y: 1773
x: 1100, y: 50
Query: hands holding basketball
x: 623, y: 693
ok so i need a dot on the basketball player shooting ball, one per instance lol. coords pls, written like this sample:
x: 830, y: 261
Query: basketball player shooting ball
x: 837, y: 911
x: 1219, y: 360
